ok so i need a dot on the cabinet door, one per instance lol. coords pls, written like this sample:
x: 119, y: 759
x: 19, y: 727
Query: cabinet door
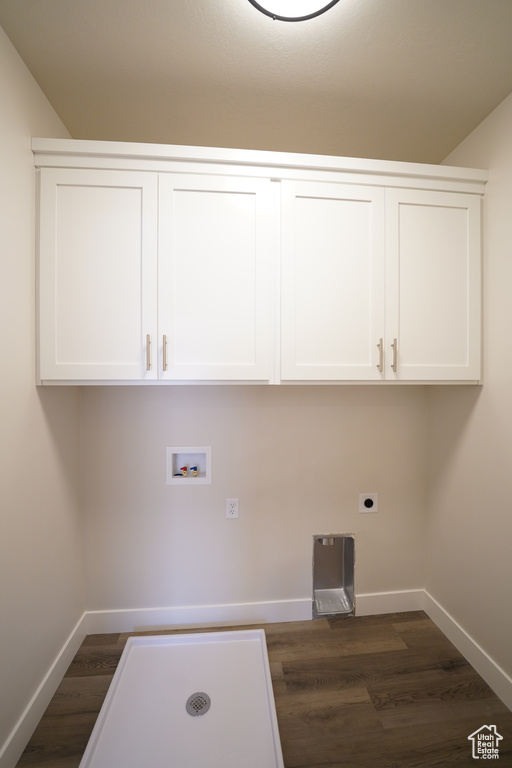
x: 332, y: 292
x: 214, y: 278
x: 97, y: 274
x: 433, y: 286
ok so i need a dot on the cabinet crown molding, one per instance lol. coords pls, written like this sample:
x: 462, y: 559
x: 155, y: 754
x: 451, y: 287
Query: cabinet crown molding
x: 73, y: 153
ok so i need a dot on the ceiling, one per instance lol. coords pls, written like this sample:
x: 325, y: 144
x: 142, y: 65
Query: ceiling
x: 388, y: 79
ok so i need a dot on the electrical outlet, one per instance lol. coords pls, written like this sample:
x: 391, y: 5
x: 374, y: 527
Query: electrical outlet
x: 368, y: 502
x: 231, y: 508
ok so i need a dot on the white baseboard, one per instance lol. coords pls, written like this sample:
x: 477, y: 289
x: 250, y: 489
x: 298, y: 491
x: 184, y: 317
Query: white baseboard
x: 11, y: 751
x: 374, y: 603
x: 131, y: 620
x: 300, y: 609
x: 495, y: 677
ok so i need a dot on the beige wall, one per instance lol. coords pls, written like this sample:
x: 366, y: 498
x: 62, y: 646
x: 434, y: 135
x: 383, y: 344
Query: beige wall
x: 469, y: 562
x: 296, y: 457
x: 41, y: 594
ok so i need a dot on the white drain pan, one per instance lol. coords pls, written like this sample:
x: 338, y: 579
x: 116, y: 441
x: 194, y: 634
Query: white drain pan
x: 144, y: 718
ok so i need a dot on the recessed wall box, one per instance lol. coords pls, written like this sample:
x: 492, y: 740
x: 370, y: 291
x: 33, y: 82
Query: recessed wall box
x: 190, y: 465
x: 333, y: 575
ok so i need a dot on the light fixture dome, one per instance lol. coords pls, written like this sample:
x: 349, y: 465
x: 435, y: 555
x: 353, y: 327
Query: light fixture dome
x: 293, y: 10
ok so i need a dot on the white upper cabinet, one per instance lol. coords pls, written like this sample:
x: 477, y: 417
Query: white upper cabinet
x: 187, y: 264
x: 379, y: 285
x: 433, y: 294
x: 97, y: 275
x: 214, y: 287
x: 121, y: 302
x: 332, y: 281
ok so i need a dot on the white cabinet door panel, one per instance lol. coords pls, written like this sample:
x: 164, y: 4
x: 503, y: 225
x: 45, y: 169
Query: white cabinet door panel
x: 215, y: 277
x: 97, y: 266
x: 433, y: 295
x: 332, y: 312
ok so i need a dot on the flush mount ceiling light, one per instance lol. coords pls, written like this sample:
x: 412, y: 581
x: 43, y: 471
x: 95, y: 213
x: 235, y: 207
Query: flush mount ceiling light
x: 293, y: 10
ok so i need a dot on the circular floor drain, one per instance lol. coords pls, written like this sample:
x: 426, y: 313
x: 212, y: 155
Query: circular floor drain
x: 198, y: 704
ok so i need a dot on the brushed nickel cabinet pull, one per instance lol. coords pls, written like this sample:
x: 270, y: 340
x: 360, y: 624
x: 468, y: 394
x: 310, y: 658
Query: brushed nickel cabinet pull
x: 165, y: 353
x: 148, y: 352
x: 380, y: 364
x: 394, y: 347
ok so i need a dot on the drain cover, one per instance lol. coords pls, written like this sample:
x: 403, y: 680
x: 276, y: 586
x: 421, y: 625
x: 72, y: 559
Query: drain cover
x: 198, y: 704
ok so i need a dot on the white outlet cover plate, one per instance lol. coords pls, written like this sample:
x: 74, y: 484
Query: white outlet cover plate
x: 231, y: 509
x: 367, y: 497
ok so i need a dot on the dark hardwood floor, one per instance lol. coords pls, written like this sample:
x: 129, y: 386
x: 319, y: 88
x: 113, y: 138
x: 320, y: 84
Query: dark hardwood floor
x: 384, y: 691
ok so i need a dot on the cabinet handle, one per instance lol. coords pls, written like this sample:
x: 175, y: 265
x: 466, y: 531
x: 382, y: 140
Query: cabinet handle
x: 380, y: 347
x: 165, y: 353
x: 148, y: 352
x: 394, y: 347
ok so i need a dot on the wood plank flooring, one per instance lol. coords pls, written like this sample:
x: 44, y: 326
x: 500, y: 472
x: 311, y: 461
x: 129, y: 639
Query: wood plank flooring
x: 385, y: 691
